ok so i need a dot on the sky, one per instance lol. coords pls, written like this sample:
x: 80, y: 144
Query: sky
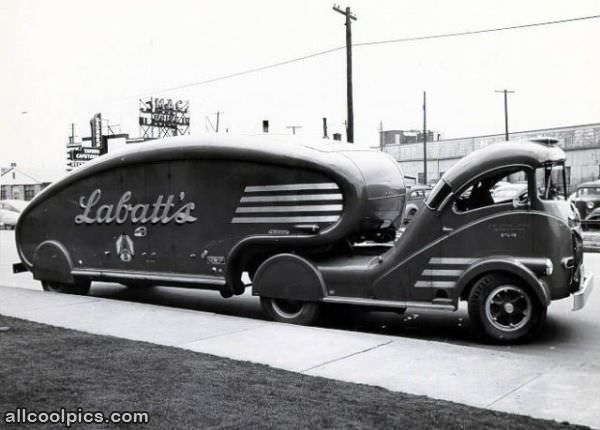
x: 62, y: 61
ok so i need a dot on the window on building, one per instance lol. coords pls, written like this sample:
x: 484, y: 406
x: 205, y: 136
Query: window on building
x: 3, y: 193
x: 421, y: 177
x: 29, y: 192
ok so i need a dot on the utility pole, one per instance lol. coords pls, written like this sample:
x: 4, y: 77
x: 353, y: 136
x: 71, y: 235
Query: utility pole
x: 217, y: 127
x: 294, y: 127
x: 424, y: 137
x: 381, y: 136
x: 506, y: 92
x: 349, y: 17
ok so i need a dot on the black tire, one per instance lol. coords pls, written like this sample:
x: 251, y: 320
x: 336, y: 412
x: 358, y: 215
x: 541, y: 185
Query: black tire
x: 291, y: 311
x: 79, y: 287
x: 503, y: 309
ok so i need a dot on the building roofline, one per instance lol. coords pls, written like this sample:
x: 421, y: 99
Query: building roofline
x: 597, y: 124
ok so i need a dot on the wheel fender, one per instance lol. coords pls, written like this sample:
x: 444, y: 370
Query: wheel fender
x: 288, y: 276
x: 52, y: 262
x: 507, y: 265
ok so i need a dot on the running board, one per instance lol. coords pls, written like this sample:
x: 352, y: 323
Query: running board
x: 168, y: 278
x: 388, y: 303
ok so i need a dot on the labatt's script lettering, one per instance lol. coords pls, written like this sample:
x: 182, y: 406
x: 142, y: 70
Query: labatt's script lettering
x: 161, y: 211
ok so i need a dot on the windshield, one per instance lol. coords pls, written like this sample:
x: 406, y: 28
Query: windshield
x: 551, y: 181
x: 588, y: 191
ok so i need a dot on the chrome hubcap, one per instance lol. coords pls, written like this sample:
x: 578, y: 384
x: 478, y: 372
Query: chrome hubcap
x: 508, y: 308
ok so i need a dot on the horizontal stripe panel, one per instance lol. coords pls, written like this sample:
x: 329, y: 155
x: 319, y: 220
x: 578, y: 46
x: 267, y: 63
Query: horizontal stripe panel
x: 284, y: 219
x: 451, y: 260
x: 435, y: 284
x: 291, y: 198
x: 304, y: 208
x: 292, y: 187
x: 442, y: 272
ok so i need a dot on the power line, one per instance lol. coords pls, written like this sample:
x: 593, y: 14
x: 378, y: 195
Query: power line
x: 372, y: 43
x: 472, y: 32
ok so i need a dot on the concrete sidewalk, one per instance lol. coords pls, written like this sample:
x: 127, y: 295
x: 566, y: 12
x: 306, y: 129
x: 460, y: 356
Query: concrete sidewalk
x: 502, y: 380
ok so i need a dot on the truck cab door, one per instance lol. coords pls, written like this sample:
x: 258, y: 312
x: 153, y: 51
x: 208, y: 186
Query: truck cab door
x: 479, y: 222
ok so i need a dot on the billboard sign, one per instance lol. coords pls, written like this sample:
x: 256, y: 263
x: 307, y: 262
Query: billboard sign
x: 164, y: 113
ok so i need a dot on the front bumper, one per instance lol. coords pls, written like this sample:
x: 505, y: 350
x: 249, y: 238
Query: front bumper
x: 585, y: 288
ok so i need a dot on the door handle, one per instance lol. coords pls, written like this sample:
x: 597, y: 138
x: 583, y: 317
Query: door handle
x: 447, y: 229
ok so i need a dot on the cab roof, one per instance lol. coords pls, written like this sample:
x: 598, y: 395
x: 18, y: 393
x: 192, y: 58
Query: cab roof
x: 532, y: 154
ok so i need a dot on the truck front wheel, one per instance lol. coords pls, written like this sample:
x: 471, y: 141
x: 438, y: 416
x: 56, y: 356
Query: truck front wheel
x: 290, y: 311
x: 79, y: 287
x: 504, y: 310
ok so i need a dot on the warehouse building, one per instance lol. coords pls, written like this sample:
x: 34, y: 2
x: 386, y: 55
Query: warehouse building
x: 580, y: 142
x: 24, y: 183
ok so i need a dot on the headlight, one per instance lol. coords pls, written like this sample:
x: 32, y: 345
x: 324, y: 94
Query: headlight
x: 590, y: 205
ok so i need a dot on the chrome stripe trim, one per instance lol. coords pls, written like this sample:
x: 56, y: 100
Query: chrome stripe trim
x: 284, y: 219
x: 442, y: 272
x: 291, y: 198
x: 451, y: 260
x: 386, y: 303
x: 292, y: 187
x: 434, y: 284
x: 305, y: 208
x: 150, y: 276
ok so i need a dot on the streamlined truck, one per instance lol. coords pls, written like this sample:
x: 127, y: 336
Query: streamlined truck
x: 200, y: 211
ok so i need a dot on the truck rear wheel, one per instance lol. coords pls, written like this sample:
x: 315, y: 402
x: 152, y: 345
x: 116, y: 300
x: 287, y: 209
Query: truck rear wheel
x: 290, y: 311
x: 504, y: 310
x: 79, y: 287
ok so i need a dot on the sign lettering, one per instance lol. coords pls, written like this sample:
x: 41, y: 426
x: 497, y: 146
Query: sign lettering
x: 162, y: 211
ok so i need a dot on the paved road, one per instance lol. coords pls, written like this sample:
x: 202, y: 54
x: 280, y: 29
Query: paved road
x: 433, y: 353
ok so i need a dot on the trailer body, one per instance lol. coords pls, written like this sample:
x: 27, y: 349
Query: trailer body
x: 198, y: 211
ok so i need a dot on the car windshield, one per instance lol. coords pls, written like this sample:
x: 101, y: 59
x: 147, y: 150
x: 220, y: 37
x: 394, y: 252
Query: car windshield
x: 588, y: 191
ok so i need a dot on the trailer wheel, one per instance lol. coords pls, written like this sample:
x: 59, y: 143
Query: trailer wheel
x: 290, y: 311
x: 79, y: 287
x: 503, y: 309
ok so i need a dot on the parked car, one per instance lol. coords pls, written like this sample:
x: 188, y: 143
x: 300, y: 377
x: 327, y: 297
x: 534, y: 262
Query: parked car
x: 415, y: 198
x: 508, y: 191
x: 586, y: 197
x: 10, y: 211
x: 591, y: 231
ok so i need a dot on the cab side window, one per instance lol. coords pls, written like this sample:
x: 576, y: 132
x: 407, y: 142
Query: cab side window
x: 495, y: 188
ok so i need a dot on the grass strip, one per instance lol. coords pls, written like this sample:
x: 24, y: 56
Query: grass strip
x: 48, y: 368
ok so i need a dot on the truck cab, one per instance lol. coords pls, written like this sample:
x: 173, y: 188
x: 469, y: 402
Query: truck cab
x: 507, y: 259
